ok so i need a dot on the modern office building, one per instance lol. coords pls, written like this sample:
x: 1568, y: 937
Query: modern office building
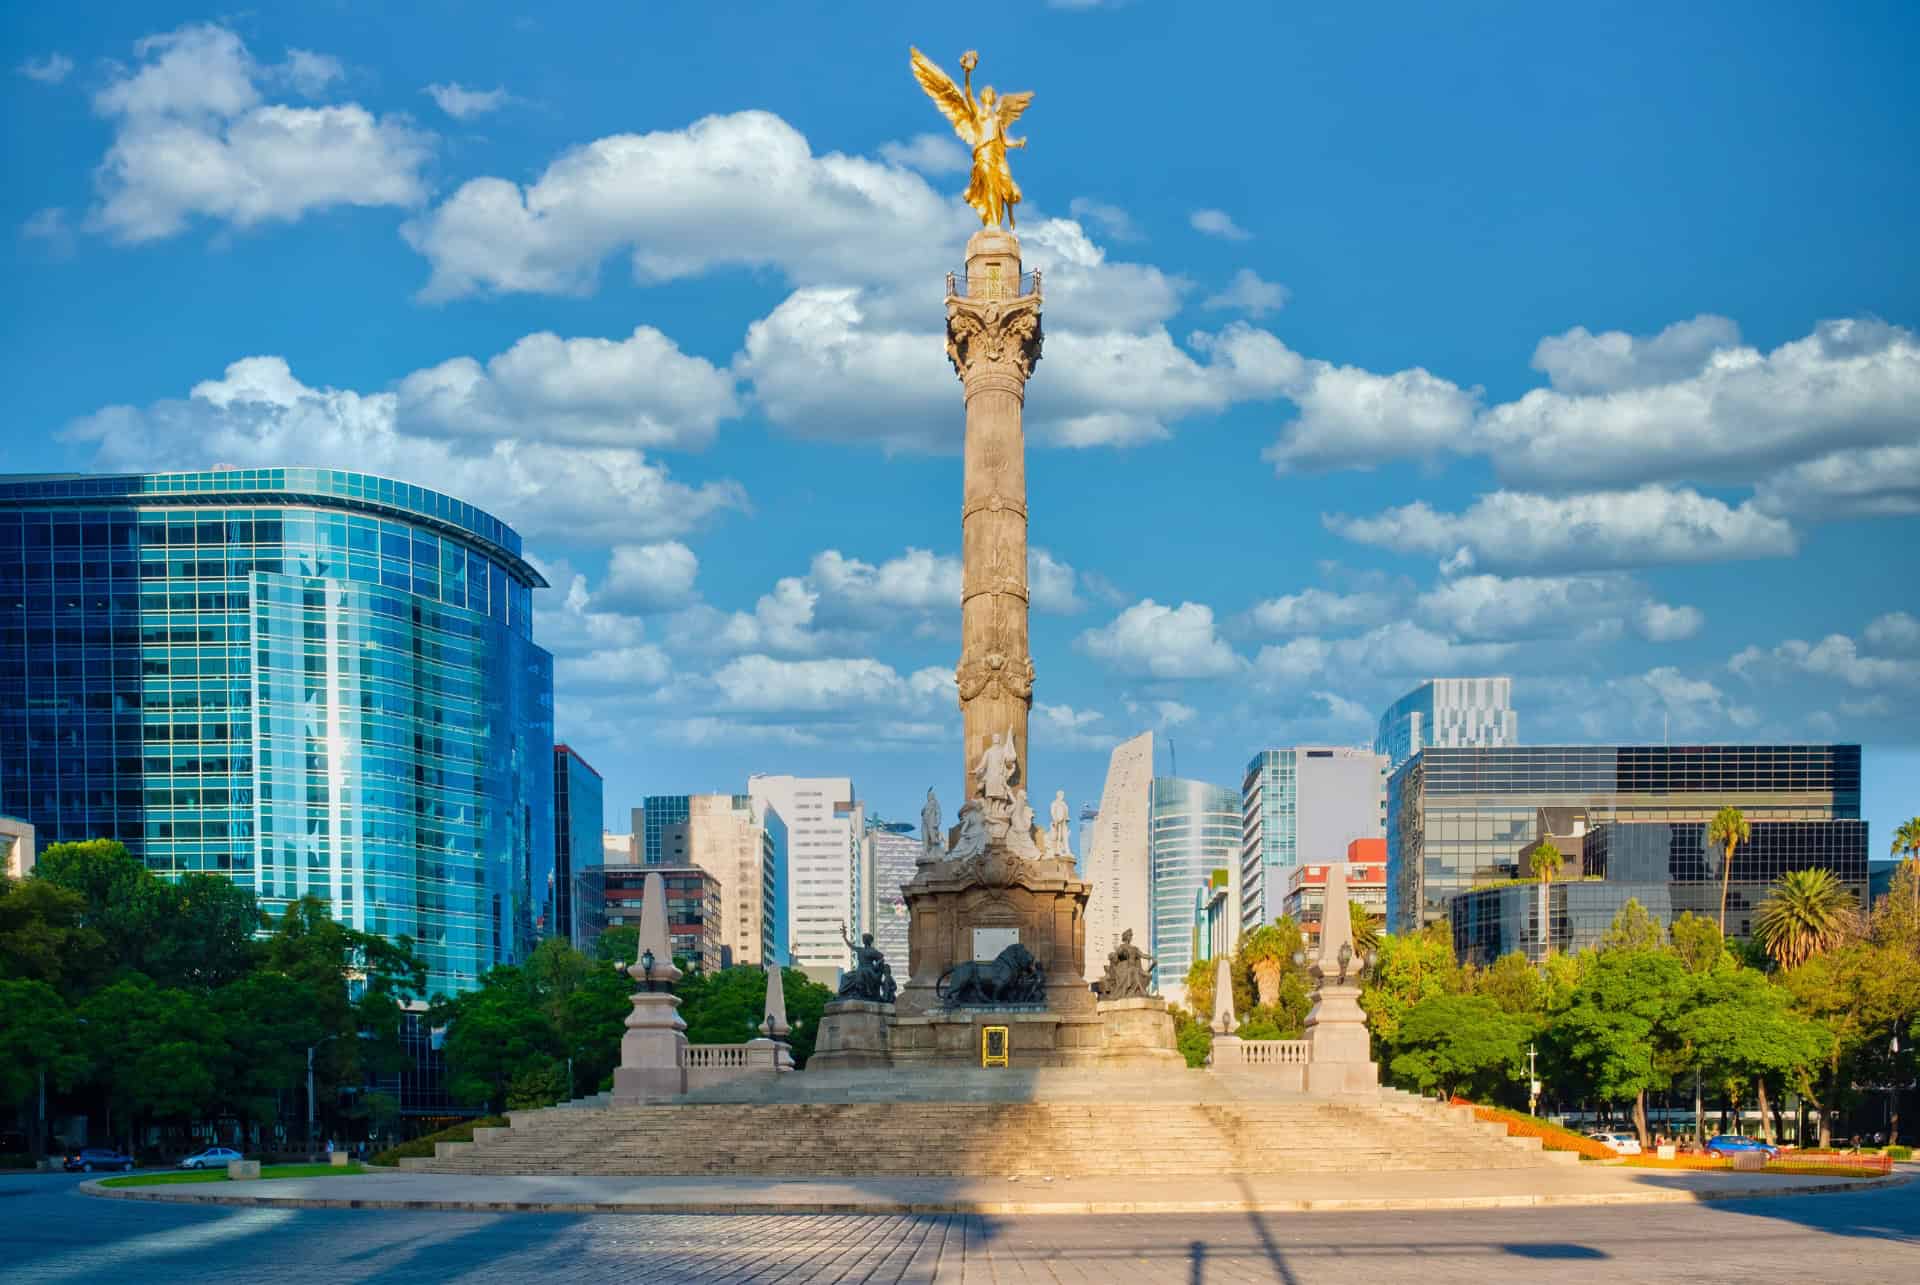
x: 893, y: 851
x: 309, y: 680
x: 1119, y: 856
x: 619, y: 849
x: 1297, y: 805
x: 578, y: 796
x: 1193, y: 832
x: 1306, y: 899
x: 652, y: 826
x: 1461, y: 817
x: 1679, y: 854
x: 1450, y: 712
x: 1491, y: 922
x: 739, y: 842
x: 17, y: 848
x: 826, y: 827
x: 611, y: 896
x: 1214, y: 925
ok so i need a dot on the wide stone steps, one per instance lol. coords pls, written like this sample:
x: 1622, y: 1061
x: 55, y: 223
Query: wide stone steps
x: 965, y: 1139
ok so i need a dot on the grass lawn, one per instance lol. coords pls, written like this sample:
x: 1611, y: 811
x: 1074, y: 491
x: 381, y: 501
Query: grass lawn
x: 220, y: 1175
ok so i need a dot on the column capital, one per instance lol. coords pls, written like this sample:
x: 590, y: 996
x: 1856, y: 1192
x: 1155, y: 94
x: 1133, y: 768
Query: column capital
x: 997, y: 336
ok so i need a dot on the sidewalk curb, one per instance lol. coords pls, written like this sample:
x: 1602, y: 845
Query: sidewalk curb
x: 877, y: 1205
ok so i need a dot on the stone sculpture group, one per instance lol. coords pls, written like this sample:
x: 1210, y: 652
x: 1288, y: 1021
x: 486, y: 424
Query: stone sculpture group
x: 870, y: 978
x: 1129, y: 971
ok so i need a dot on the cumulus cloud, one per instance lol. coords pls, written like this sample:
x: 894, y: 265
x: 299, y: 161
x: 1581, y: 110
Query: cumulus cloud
x: 1588, y: 608
x: 1218, y: 223
x: 50, y: 70
x: 1354, y: 418
x: 928, y: 153
x: 1879, y: 481
x: 193, y: 138
x: 1395, y: 650
x: 1580, y: 361
x: 1836, y: 657
x: 1050, y: 584
x: 649, y: 577
x: 1607, y: 529
x: 1114, y: 223
x: 1313, y: 611
x: 1660, y: 622
x: 639, y: 391
x: 1249, y: 294
x: 461, y: 103
x: 260, y: 414
x: 1895, y: 631
x: 642, y: 665
x: 764, y: 685
x: 1066, y: 728
x: 1154, y: 641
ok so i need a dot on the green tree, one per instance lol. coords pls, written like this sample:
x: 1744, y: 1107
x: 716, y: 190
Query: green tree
x: 1268, y: 952
x: 1739, y: 1028
x: 1859, y: 994
x: 494, y: 1034
x: 1545, y: 866
x: 1633, y: 928
x: 1618, y: 1031
x: 1413, y: 966
x: 155, y: 1050
x: 1698, y: 942
x: 270, y: 1022
x: 1366, y: 928
x: 1895, y: 921
x: 1514, y: 985
x: 1461, y: 1044
x: 1191, y: 1036
x: 1727, y: 831
x: 39, y: 1044
x: 726, y: 1007
x: 1907, y: 838
x: 1806, y: 913
x: 44, y: 936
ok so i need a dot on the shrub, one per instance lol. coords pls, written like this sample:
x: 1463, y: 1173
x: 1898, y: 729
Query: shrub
x: 1551, y: 1136
x: 1899, y: 1153
x: 422, y: 1147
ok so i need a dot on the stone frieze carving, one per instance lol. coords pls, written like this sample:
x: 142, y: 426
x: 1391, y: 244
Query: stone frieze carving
x: 996, y: 673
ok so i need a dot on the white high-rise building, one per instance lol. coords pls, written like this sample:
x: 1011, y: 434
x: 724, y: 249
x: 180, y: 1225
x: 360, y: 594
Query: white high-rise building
x: 826, y: 832
x: 1451, y: 712
x: 1119, y: 854
x: 732, y: 838
x: 1302, y: 806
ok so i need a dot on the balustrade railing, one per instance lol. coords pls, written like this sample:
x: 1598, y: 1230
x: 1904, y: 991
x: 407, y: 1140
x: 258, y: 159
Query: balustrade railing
x: 992, y: 285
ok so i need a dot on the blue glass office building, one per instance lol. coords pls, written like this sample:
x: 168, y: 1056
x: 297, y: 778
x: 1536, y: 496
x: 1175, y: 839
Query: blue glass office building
x: 578, y: 800
x: 310, y: 680
x: 1193, y: 830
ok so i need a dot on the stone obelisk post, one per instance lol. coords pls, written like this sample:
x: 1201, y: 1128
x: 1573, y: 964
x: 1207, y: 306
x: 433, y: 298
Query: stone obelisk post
x: 653, y: 1052
x: 993, y: 340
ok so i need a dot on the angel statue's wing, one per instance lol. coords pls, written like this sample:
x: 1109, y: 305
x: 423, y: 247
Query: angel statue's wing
x: 1011, y: 105
x: 945, y: 94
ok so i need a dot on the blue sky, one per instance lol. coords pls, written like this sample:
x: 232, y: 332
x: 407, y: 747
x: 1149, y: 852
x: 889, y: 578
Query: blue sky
x: 1384, y: 343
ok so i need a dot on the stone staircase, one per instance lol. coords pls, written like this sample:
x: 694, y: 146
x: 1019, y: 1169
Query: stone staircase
x: 969, y: 1123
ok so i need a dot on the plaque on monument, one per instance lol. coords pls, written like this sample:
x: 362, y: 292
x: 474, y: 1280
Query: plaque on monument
x: 989, y: 942
x: 993, y: 1046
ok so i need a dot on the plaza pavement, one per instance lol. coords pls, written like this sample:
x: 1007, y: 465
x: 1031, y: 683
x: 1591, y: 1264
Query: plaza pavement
x: 50, y: 1232
x: 1585, y: 1184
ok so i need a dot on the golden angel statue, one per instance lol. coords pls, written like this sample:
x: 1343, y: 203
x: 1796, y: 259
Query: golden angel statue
x: 982, y: 125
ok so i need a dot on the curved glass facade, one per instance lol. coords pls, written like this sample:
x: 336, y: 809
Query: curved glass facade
x: 1194, y: 830
x: 311, y: 680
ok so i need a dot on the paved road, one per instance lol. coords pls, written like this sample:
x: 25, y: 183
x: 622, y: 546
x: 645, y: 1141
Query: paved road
x: 51, y: 1233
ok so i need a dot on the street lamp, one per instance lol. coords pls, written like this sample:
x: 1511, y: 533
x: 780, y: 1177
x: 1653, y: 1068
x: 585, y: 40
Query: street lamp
x: 646, y: 967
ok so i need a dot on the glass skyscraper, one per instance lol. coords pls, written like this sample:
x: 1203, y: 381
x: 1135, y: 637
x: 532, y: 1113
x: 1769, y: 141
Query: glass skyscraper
x: 309, y: 680
x: 1457, y: 818
x: 1193, y: 830
x: 578, y: 799
x: 1449, y: 712
x: 1299, y: 805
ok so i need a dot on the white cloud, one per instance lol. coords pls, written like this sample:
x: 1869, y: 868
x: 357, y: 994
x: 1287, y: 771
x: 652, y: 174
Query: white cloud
x: 642, y: 665
x: 260, y: 414
x: 639, y: 391
x: 1643, y: 527
x: 1879, y: 481
x: 461, y: 103
x: 51, y: 226
x: 1688, y: 704
x: 1342, y: 710
x: 1895, y: 631
x: 1218, y: 223
x: 1313, y: 611
x: 1353, y: 418
x: 1062, y: 727
x: 193, y: 138
x: 1394, y: 650
x: 928, y: 153
x: 1659, y: 622
x: 1249, y: 294
x: 1580, y: 361
x: 1836, y: 657
x: 1691, y: 404
x: 648, y: 577
x: 916, y: 581
x: 1114, y: 223
x: 308, y: 72
x: 1050, y: 584
x: 762, y: 684
x: 51, y: 70
x: 1154, y: 641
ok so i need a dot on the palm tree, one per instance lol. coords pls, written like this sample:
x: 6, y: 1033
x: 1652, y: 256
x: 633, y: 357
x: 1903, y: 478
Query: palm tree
x: 1907, y: 838
x: 1728, y: 829
x: 1265, y: 951
x: 1544, y: 864
x: 1807, y: 913
x: 1366, y: 929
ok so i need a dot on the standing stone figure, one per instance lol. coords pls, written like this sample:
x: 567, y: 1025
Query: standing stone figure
x: 930, y: 837
x: 870, y: 979
x: 996, y: 769
x: 1060, y: 836
x: 1128, y: 970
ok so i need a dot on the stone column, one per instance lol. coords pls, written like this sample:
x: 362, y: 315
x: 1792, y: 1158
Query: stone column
x: 993, y: 340
x: 653, y: 1052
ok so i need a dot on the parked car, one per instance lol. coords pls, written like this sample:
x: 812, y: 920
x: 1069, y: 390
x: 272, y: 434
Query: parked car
x: 1731, y: 1144
x: 211, y: 1158
x: 1623, y: 1144
x: 87, y: 1159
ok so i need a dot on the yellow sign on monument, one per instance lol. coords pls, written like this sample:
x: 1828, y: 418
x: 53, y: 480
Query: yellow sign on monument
x: 993, y: 1046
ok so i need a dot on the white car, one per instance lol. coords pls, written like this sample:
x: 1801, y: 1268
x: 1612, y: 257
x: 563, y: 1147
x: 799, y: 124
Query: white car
x: 1624, y: 1144
x: 211, y: 1158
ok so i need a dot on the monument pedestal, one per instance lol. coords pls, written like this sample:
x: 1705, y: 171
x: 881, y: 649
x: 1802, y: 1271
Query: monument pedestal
x: 853, y: 1033
x: 1035, y: 1038
x: 1138, y: 1030
x: 1340, y: 1056
x: 653, y: 1052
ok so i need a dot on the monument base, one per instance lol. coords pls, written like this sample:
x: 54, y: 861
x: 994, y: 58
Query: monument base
x: 1138, y: 1031
x: 853, y: 1033
x: 1035, y: 1037
x: 1340, y: 1058
x: 653, y: 1052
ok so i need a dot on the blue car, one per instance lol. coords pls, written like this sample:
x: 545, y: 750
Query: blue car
x: 1731, y: 1144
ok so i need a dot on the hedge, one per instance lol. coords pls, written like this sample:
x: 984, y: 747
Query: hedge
x: 1551, y: 1136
